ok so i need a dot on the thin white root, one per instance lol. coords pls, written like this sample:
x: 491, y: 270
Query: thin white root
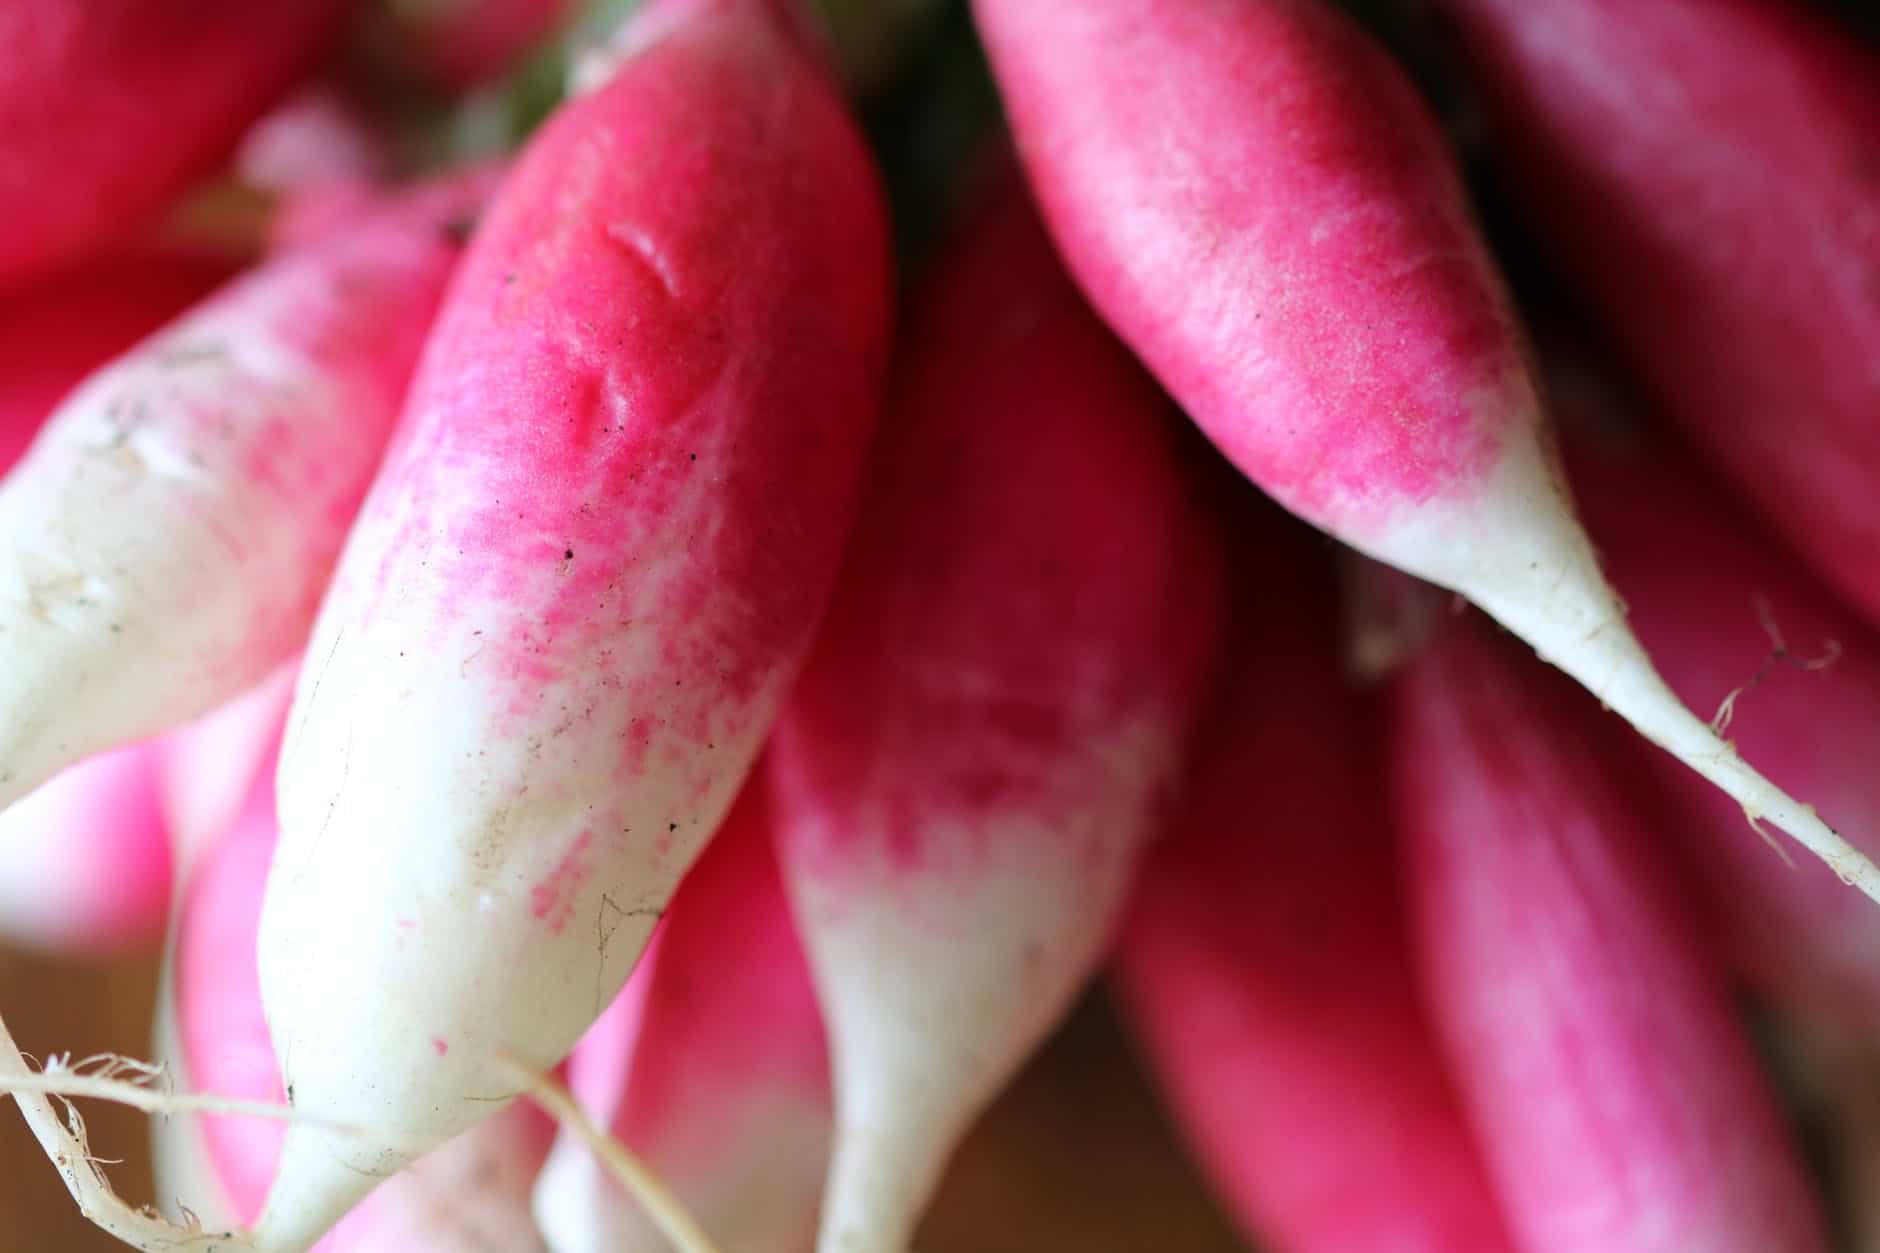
x: 63, y: 1139
x: 635, y: 1176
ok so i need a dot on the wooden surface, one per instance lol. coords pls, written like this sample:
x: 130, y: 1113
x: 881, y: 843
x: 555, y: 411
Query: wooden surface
x: 1075, y: 1158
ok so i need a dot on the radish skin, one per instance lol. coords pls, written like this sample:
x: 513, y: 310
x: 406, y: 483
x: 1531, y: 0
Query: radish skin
x: 110, y: 107
x: 717, y: 1078
x: 582, y: 584
x: 85, y: 860
x: 990, y: 726
x: 1708, y: 172
x: 1697, y: 577
x: 1616, y: 1100
x: 1256, y: 199
x: 469, y: 1196
x: 1265, y: 966
x: 148, y: 571
x: 207, y: 768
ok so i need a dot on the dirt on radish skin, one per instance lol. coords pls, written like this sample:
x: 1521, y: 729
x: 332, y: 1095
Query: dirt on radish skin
x: 1705, y: 170
x: 110, y: 107
x: 1705, y: 588
x: 1255, y: 198
x: 1265, y: 967
x: 715, y: 1076
x: 574, y: 601
x: 1615, y: 1096
x: 990, y: 725
x: 148, y: 568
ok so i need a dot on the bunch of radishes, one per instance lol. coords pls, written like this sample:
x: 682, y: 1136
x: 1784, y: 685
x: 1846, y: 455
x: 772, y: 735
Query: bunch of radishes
x: 613, y: 565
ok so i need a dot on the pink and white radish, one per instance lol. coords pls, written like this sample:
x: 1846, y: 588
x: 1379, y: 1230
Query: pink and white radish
x: 468, y: 1196
x: 85, y: 860
x: 990, y: 726
x: 715, y: 1074
x: 1254, y: 196
x: 573, y: 603
x: 1265, y: 964
x: 207, y: 768
x: 1616, y: 1099
x: 1705, y: 170
x: 164, y: 542
x: 109, y: 107
x: 1704, y: 586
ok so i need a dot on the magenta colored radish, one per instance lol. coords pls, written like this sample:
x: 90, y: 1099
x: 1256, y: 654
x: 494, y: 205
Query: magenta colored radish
x: 1255, y: 198
x: 717, y: 1078
x: 587, y: 575
x: 1708, y: 172
x: 1615, y: 1095
x: 85, y: 860
x: 990, y: 726
x: 58, y: 329
x: 165, y: 541
x: 1265, y: 966
x: 110, y: 107
x: 1699, y: 576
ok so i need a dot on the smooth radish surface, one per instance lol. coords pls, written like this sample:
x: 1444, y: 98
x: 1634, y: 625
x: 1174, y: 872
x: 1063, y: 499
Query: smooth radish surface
x: 717, y: 1078
x: 1616, y: 1098
x: 590, y: 569
x: 164, y: 542
x: 989, y: 728
x: 469, y: 1196
x: 85, y: 860
x: 1265, y: 965
x: 111, y: 106
x: 1256, y: 199
x: 207, y: 768
x: 1704, y: 584
x: 1708, y: 172
x: 55, y: 331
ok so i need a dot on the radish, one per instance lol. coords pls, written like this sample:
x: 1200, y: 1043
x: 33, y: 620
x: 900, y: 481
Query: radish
x: 164, y: 542
x: 1616, y: 1100
x: 990, y: 725
x: 1704, y: 586
x: 469, y: 1196
x: 716, y: 1076
x: 1706, y: 171
x: 1256, y: 199
x: 1264, y: 964
x: 206, y: 768
x: 572, y: 605
x: 109, y: 107
x: 85, y: 860
x: 55, y: 331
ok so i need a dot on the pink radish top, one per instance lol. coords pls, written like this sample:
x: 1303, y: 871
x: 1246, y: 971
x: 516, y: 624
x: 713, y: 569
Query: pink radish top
x: 1617, y: 1100
x: 1027, y: 579
x: 58, y: 329
x: 85, y: 860
x: 1696, y: 576
x: 1256, y: 199
x: 112, y: 106
x: 1265, y: 962
x: 1709, y: 172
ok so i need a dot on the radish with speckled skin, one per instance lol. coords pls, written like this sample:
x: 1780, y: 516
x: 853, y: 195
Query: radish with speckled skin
x: 469, y: 1196
x: 1698, y: 575
x: 575, y: 599
x: 164, y: 542
x: 1264, y: 965
x: 1708, y: 171
x: 109, y: 107
x: 1616, y: 1098
x: 991, y: 724
x: 716, y: 1077
x: 1254, y: 196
